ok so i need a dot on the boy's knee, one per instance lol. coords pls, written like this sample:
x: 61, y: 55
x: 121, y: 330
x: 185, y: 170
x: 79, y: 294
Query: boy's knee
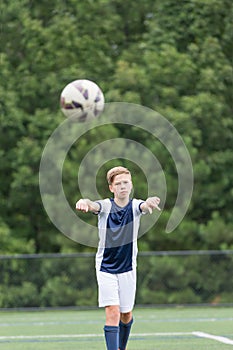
x: 126, y: 317
x: 112, y: 315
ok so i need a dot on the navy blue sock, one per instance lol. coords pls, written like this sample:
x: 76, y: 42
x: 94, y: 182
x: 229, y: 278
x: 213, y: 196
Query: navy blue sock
x: 124, y: 334
x: 112, y: 337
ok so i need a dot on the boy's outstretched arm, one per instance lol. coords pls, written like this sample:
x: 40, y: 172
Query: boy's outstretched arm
x: 86, y: 205
x: 150, y: 204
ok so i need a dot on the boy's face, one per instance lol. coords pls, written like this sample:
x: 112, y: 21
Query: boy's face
x: 121, y: 186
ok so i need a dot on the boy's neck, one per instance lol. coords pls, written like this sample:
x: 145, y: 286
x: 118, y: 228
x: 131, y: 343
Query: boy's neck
x: 121, y: 202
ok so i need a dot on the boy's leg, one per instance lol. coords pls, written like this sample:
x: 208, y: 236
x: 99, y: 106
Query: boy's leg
x: 111, y: 337
x: 124, y: 329
x: 127, y: 286
x: 109, y: 298
x: 111, y: 329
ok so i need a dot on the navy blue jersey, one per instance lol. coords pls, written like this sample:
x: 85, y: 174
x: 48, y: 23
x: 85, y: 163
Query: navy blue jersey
x: 118, y: 231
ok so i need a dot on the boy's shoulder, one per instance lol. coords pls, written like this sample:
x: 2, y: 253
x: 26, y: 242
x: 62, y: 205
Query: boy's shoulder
x: 105, y: 204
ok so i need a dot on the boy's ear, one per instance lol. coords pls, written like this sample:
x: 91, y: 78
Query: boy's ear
x: 110, y: 188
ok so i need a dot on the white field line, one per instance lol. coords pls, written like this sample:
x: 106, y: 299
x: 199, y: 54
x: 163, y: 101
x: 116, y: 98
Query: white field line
x: 87, y: 335
x: 214, y: 337
x: 91, y: 335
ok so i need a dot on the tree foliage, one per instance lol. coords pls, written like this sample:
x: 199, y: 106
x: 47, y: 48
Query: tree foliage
x: 174, y: 57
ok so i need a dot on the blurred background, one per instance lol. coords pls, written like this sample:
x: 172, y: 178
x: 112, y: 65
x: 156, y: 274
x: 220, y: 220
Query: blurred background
x: 173, y: 57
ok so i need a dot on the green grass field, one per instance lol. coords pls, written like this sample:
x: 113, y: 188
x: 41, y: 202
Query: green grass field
x: 179, y: 328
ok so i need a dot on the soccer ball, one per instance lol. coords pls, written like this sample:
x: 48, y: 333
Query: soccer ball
x: 82, y: 100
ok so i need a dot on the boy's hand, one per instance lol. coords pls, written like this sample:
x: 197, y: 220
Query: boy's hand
x: 86, y: 205
x: 153, y: 203
x: 82, y: 205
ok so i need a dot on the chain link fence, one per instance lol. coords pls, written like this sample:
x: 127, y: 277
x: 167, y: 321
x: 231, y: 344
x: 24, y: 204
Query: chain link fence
x: 68, y: 280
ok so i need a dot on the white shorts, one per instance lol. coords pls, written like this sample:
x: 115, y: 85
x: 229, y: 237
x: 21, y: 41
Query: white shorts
x: 117, y: 289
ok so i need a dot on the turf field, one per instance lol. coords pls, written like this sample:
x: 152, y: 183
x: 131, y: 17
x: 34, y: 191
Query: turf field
x: 179, y: 328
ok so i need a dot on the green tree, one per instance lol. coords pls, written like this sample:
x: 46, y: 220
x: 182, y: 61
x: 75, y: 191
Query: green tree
x: 174, y: 57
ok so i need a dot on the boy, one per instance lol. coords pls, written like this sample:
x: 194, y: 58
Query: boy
x: 118, y: 224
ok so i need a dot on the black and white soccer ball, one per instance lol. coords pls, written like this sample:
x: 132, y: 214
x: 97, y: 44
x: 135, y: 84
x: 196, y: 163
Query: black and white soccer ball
x: 82, y: 100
